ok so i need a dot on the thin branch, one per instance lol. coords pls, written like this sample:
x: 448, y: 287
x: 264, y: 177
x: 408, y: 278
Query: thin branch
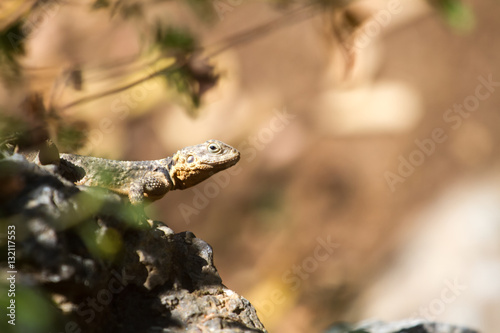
x: 286, y: 19
x: 120, y: 89
x: 251, y: 33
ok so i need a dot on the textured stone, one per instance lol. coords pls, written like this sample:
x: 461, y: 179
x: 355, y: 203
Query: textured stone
x: 105, y: 267
x: 404, y: 326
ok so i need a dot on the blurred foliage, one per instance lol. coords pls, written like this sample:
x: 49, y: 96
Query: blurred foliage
x: 184, y: 84
x: 11, y: 48
x: 180, y: 43
x: 458, y: 14
x: 100, y: 4
x: 102, y: 243
x: 188, y: 77
x: 11, y: 128
x: 71, y: 136
x: 44, y: 117
x: 175, y: 39
x: 33, y: 309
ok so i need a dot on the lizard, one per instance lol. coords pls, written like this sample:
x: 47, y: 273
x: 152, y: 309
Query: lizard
x: 146, y: 181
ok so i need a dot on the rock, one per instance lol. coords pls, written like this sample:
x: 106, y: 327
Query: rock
x: 404, y: 326
x: 96, y: 259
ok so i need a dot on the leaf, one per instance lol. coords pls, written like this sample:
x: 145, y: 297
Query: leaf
x: 458, y: 15
x: 72, y: 136
x: 184, y: 85
x: 175, y: 39
x: 12, y: 45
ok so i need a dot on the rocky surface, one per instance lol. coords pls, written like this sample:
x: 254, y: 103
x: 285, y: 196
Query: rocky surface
x: 97, y: 261
x: 404, y: 326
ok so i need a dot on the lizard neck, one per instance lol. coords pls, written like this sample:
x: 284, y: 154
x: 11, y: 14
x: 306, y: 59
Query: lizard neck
x: 171, y: 171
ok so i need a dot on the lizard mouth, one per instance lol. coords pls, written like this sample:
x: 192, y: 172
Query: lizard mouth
x: 235, y: 159
x: 232, y: 160
x: 224, y: 163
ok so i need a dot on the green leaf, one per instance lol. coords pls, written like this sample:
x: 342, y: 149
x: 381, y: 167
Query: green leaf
x: 72, y: 136
x: 12, y: 45
x: 181, y: 80
x: 458, y: 15
x: 34, y: 312
x: 171, y: 38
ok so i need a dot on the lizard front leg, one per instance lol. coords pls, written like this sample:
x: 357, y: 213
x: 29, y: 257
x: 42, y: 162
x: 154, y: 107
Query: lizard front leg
x: 154, y: 185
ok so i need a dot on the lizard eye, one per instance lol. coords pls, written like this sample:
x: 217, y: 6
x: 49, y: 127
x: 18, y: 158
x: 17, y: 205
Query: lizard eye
x: 213, y: 148
x: 190, y: 159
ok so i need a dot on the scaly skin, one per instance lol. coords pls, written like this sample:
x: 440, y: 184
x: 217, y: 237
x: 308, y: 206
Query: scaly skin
x: 151, y: 180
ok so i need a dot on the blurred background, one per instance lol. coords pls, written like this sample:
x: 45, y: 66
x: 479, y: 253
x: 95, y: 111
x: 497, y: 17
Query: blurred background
x: 369, y: 180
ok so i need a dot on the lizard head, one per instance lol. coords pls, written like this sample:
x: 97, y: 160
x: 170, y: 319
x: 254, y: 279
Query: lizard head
x: 194, y: 164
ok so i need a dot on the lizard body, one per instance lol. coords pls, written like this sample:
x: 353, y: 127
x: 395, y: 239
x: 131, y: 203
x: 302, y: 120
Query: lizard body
x: 151, y: 179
